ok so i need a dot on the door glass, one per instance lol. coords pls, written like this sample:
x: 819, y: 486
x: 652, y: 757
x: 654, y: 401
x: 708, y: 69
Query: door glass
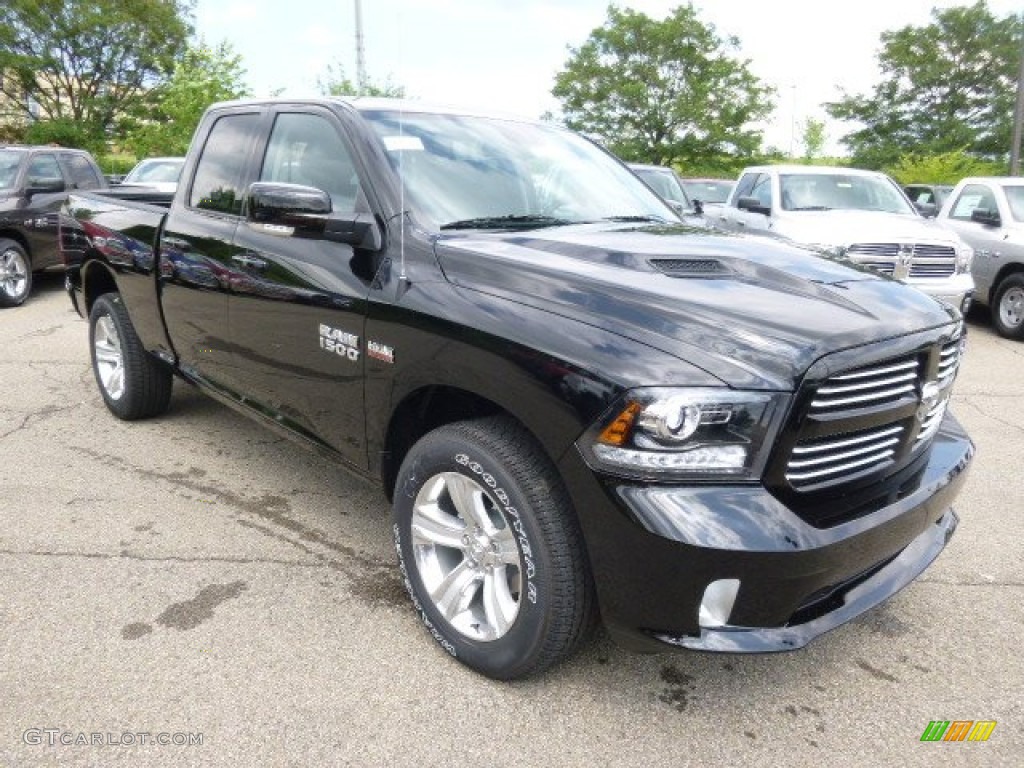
x: 44, y: 170
x: 973, y: 196
x: 306, y: 149
x: 218, y: 179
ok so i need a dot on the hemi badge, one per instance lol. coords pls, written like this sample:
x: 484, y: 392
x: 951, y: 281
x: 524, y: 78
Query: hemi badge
x: 380, y: 351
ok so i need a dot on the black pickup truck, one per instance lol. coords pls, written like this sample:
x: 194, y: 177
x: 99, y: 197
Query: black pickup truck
x: 578, y: 406
x: 34, y: 183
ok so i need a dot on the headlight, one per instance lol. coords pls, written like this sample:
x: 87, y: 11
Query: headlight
x: 695, y: 433
x: 964, y: 257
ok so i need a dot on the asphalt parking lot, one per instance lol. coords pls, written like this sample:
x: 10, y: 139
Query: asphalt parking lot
x: 196, y: 577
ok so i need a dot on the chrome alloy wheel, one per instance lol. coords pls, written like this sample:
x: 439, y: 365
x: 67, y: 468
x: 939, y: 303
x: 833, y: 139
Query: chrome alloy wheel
x: 109, y: 358
x: 467, y: 556
x: 13, y: 274
x: 1011, y: 307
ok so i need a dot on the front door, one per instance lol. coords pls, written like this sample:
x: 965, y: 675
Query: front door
x: 298, y: 311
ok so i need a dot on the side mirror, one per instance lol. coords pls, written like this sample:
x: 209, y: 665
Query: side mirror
x: 928, y: 210
x: 753, y: 205
x: 986, y: 216
x: 44, y: 186
x: 289, y: 210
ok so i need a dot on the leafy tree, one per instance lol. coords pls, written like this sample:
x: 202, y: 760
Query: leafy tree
x: 201, y: 76
x: 947, y: 85
x: 662, y: 91
x: 335, y: 83
x: 813, y: 137
x: 65, y: 132
x: 87, y: 61
x: 944, y: 168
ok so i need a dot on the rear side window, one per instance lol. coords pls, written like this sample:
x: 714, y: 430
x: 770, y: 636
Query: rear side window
x: 80, y: 171
x: 43, y: 170
x: 219, y: 174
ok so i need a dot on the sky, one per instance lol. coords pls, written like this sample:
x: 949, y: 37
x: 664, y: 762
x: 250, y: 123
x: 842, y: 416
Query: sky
x: 503, y: 55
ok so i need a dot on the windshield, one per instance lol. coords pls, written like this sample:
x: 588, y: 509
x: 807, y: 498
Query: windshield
x: 155, y: 170
x: 708, y: 191
x: 826, y: 192
x: 664, y: 183
x: 10, y: 161
x: 464, y: 172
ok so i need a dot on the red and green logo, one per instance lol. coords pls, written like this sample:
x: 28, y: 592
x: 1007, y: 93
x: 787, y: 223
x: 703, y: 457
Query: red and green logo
x: 958, y: 730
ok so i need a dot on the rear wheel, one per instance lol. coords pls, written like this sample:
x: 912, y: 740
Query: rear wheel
x: 490, y: 549
x: 1008, y: 307
x: 134, y: 384
x: 15, y: 274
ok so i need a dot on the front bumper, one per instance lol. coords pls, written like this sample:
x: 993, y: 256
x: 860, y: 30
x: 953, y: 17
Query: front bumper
x: 955, y: 291
x: 655, y: 549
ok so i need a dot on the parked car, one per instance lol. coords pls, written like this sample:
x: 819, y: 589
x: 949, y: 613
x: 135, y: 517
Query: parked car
x: 863, y: 216
x: 34, y: 183
x: 666, y: 183
x: 577, y: 406
x: 988, y: 213
x: 159, y: 173
x: 928, y: 198
x: 708, y: 190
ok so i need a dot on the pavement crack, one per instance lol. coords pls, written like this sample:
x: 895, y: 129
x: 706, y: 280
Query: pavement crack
x: 127, y: 555
x: 1012, y: 425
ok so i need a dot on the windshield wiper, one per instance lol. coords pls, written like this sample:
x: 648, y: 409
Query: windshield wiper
x: 524, y: 221
x: 657, y: 219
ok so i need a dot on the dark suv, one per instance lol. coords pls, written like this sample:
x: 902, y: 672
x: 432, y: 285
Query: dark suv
x: 34, y: 183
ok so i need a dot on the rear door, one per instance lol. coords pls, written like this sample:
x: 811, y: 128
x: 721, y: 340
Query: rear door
x: 197, y: 268
x: 297, y: 317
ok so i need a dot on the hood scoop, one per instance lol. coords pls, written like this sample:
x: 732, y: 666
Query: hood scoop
x: 690, y: 267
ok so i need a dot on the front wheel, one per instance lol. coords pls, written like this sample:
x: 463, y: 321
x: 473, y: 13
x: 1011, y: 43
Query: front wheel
x: 1008, y: 307
x: 490, y: 548
x: 15, y: 274
x: 134, y: 384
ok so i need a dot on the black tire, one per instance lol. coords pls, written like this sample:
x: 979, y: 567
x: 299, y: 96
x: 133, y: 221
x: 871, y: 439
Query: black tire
x: 15, y: 274
x: 134, y: 384
x: 535, y: 557
x: 1008, y: 307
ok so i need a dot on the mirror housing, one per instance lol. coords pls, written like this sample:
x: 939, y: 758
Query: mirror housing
x: 294, y: 210
x: 753, y: 205
x: 986, y: 216
x: 44, y: 186
x: 928, y: 210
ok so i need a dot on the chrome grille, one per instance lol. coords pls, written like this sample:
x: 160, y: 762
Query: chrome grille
x: 876, y: 250
x: 930, y: 423
x: 842, y: 457
x: 949, y: 361
x: 875, y: 385
x: 880, y: 266
x: 933, y: 270
x: 926, y: 260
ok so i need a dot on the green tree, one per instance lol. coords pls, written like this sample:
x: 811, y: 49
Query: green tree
x: 336, y: 83
x: 668, y: 92
x: 87, y: 61
x: 944, y: 86
x: 813, y: 137
x: 201, y: 76
x: 943, y: 168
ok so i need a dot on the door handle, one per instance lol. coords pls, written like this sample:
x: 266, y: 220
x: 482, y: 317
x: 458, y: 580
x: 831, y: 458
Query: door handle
x: 249, y: 260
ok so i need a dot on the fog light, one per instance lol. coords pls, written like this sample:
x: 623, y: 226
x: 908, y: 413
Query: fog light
x: 716, y: 605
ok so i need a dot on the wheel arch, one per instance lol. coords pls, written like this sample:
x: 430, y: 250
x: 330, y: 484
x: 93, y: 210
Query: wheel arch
x: 1014, y: 267
x: 97, y: 279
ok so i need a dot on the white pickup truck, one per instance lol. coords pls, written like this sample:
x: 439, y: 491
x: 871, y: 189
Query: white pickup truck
x: 988, y: 213
x: 861, y: 215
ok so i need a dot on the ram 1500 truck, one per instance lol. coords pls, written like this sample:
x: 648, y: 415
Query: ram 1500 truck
x: 577, y: 405
x: 988, y: 213
x: 862, y: 215
x: 34, y: 183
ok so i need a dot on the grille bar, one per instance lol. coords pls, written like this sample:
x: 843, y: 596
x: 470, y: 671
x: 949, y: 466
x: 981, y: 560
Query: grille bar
x: 834, y: 460
x: 876, y: 385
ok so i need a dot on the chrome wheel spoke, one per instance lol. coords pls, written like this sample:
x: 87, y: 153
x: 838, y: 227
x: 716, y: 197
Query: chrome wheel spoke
x: 506, y: 548
x: 109, y: 357
x: 500, y: 607
x: 456, y: 591
x: 432, y: 525
x: 468, y: 498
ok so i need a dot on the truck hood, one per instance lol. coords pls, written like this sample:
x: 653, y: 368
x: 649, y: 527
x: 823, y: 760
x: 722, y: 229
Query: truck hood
x: 752, y: 312
x: 842, y: 228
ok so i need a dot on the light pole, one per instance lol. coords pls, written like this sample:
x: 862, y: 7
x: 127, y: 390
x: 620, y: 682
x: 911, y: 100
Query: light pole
x: 360, y: 50
x: 1018, y: 113
x: 792, y: 123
